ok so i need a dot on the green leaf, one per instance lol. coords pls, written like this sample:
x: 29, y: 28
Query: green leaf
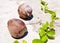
x: 44, y: 38
x: 52, y: 12
x: 44, y: 8
x: 16, y: 41
x: 56, y: 18
x: 41, y: 32
x: 24, y: 41
x: 53, y: 17
x: 43, y: 3
x: 45, y: 26
x: 51, y: 34
x: 37, y: 41
x: 52, y: 24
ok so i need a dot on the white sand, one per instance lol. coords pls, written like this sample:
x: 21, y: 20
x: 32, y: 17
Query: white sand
x: 8, y: 10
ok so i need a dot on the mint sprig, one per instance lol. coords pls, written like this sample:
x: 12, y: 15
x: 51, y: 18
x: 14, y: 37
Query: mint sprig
x: 47, y: 30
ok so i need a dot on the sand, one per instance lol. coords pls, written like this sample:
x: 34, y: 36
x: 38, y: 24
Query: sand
x: 8, y: 10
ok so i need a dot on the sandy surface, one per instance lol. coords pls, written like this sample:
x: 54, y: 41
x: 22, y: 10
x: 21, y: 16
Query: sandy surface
x: 8, y: 10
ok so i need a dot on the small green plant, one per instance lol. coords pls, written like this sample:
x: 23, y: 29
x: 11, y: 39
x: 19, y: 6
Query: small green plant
x: 47, y: 30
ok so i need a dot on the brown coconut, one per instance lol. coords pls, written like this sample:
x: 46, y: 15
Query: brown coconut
x: 17, y: 28
x: 25, y: 12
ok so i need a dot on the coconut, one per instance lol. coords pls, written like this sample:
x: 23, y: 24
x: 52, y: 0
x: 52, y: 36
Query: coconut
x: 17, y: 28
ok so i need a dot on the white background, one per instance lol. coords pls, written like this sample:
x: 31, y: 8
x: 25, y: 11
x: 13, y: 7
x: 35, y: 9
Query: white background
x: 8, y: 10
